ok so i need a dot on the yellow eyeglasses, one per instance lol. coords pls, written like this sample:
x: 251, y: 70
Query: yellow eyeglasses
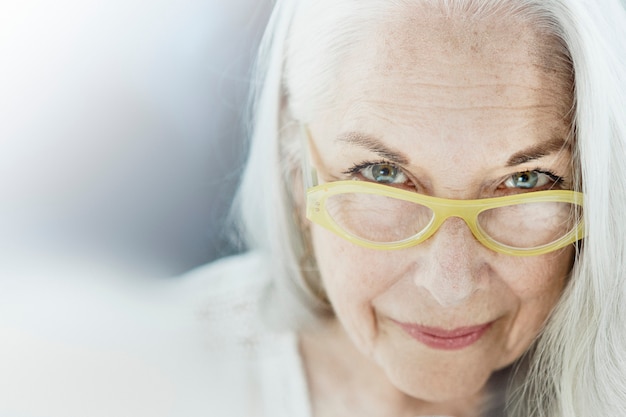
x: 378, y: 216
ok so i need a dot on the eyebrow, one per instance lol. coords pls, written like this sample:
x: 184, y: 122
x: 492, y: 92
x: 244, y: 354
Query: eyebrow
x: 536, y: 152
x: 374, y: 145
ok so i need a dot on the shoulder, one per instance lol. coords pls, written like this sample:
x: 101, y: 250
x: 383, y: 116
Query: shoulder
x: 229, y: 289
x: 227, y: 298
x: 230, y: 274
x: 192, y: 345
x: 255, y: 369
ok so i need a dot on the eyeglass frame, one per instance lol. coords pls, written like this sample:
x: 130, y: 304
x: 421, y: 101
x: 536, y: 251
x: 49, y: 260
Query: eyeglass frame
x: 442, y: 209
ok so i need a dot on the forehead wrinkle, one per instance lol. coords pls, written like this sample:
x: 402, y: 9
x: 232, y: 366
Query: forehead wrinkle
x: 372, y: 91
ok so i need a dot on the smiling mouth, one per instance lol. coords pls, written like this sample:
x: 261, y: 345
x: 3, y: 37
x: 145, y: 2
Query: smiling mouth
x: 438, y: 338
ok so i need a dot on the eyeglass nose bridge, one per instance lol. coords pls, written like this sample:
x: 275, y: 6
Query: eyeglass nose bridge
x: 443, y: 212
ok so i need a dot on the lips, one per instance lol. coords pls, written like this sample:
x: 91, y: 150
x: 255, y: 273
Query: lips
x: 438, y: 338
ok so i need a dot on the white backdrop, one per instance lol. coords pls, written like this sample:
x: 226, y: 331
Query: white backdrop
x: 120, y: 127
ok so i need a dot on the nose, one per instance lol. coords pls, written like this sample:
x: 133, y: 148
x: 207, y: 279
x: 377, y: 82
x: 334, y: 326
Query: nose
x: 452, y: 265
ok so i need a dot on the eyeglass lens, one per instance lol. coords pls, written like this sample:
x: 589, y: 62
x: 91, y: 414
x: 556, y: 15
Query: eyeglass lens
x: 384, y: 219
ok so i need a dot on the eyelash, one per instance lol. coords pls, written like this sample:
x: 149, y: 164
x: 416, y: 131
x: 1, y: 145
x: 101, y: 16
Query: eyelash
x: 555, y: 183
x: 357, y: 168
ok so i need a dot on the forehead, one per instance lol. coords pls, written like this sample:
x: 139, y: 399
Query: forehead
x: 428, y: 75
x: 406, y: 54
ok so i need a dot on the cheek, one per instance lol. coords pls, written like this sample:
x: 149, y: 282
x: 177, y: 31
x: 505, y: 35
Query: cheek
x: 353, y: 277
x: 537, y: 286
x: 540, y: 280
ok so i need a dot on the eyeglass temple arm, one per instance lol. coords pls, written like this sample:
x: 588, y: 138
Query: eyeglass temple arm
x: 309, y: 173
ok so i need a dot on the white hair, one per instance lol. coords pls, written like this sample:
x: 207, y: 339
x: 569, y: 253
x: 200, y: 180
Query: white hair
x: 577, y: 366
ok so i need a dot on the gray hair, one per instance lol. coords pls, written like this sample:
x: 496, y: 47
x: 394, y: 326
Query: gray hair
x: 576, y: 366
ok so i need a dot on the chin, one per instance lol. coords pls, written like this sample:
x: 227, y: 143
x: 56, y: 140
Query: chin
x: 435, y: 380
x: 440, y: 391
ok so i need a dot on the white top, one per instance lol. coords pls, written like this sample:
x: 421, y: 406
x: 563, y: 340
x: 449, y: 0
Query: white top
x: 192, y: 346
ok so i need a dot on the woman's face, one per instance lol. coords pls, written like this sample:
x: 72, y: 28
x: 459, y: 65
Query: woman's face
x: 458, y: 109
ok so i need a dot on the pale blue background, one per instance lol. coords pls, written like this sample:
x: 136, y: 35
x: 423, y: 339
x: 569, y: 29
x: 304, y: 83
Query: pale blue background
x: 122, y: 127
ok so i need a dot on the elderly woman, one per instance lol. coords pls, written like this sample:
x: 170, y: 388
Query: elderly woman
x: 414, y: 201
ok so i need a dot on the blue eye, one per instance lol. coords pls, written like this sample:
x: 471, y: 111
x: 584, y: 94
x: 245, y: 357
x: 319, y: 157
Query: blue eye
x: 528, y: 179
x: 383, y: 173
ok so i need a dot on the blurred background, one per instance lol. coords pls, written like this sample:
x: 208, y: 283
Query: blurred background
x: 122, y: 128
x: 122, y: 138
